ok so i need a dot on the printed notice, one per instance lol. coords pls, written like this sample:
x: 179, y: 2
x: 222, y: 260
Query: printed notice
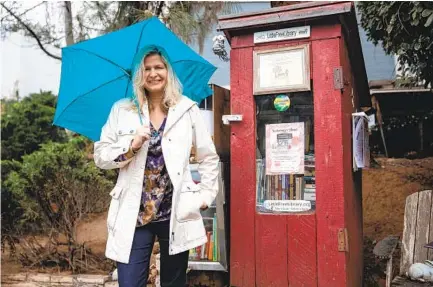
x: 285, y: 148
x: 287, y: 205
x: 361, y: 146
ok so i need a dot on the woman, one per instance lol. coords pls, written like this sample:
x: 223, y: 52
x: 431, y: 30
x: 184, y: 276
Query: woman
x: 155, y: 194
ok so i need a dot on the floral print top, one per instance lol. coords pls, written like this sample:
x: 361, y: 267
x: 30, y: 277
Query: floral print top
x: 157, y: 187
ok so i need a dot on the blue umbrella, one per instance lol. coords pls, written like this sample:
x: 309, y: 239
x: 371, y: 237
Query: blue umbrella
x: 98, y: 72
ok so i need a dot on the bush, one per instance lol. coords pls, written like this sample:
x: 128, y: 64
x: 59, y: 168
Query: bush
x: 57, y: 185
x: 27, y: 124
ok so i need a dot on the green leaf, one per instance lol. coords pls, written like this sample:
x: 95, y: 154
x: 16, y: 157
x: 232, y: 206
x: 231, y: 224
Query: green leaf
x: 426, y: 12
x: 429, y: 21
x: 417, y: 46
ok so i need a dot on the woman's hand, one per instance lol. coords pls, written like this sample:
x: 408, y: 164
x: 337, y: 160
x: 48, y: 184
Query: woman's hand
x: 142, y: 135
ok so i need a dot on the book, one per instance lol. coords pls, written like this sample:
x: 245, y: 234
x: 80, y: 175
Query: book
x: 215, y: 238
x: 209, y: 245
x: 292, y: 188
x: 310, y: 196
x: 203, y: 251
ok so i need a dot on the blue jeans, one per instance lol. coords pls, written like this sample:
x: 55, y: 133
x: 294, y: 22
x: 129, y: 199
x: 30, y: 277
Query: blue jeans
x: 136, y: 272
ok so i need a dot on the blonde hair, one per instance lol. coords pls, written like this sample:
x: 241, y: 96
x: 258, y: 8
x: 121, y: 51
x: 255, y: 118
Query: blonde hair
x: 173, y: 88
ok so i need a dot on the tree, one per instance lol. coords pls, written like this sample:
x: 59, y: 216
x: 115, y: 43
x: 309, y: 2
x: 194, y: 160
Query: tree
x: 27, y: 123
x: 405, y: 29
x: 191, y: 21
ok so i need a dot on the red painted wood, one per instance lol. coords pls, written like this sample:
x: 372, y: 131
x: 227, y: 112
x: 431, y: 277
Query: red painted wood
x: 242, y: 195
x: 329, y: 151
x: 352, y: 195
x: 244, y: 41
x: 290, y: 16
x: 302, y: 250
x: 297, y: 250
x: 325, y: 32
x: 271, y: 250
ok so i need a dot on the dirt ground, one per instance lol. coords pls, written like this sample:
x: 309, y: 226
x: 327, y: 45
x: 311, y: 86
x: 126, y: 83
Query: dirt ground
x: 92, y: 231
x: 385, y: 189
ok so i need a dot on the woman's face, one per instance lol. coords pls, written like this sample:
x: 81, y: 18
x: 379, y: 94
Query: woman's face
x: 155, y: 74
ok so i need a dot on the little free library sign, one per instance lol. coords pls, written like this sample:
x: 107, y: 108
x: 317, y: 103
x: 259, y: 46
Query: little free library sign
x: 282, y: 34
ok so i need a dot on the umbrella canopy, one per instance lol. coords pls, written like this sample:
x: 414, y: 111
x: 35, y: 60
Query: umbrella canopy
x: 98, y: 72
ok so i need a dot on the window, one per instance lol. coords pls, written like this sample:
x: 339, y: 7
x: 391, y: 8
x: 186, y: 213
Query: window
x: 206, y: 104
x: 285, y: 160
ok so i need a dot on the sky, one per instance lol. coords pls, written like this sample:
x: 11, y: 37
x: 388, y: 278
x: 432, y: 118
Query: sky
x: 24, y: 65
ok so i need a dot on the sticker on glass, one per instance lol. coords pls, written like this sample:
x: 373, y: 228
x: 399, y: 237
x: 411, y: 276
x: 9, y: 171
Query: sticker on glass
x: 282, y: 103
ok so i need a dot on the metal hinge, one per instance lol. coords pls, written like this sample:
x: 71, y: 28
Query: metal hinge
x: 338, y: 78
x: 343, y: 242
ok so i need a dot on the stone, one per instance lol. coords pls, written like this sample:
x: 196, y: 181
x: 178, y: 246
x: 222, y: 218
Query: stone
x: 39, y: 278
x: 111, y: 284
x: 62, y: 279
x: 14, y: 277
x: 94, y: 279
x: 23, y: 284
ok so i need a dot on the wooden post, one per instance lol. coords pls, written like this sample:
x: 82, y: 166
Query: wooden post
x: 421, y: 135
x: 243, y: 162
x: 389, y: 272
x: 376, y: 105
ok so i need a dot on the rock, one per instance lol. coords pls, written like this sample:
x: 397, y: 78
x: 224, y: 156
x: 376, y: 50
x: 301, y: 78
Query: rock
x: 93, y: 279
x: 39, y: 278
x: 14, y: 277
x: 421, y: 272
x: 58, y: 279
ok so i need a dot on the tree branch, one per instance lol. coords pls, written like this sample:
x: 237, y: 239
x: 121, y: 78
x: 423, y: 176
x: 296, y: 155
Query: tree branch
x: 159, y: 9
x: 34, y: 35
x: 28, y: 10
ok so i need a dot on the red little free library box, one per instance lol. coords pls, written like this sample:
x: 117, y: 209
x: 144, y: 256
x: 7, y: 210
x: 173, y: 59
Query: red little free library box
x: 297, y: 75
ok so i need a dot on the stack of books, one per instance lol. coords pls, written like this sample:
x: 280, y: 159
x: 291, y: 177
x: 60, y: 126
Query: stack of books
x: 310, y: 178
x: 286, y: 186
x: 208, y: 251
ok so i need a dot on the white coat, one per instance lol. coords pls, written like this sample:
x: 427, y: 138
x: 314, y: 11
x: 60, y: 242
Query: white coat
x: 184, y: 128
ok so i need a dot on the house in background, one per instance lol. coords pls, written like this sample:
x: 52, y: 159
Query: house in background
x: 404, y: 115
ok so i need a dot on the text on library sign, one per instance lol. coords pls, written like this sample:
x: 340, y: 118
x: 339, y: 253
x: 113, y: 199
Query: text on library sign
x: 282, y: 34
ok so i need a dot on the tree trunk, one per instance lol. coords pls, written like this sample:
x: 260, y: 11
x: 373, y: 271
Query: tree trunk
x: 69, y: 32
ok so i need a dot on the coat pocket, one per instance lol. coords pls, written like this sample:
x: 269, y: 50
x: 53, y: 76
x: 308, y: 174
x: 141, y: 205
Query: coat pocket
x: 125, y: 131
x: 113, y: 210
x: 188, y: 207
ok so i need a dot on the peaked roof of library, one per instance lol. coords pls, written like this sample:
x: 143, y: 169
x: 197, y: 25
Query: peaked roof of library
x: 316, y: 13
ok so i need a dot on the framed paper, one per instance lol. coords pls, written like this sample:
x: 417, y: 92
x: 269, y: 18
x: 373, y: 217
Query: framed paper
x: 282, y: 70
x: 285, y: 148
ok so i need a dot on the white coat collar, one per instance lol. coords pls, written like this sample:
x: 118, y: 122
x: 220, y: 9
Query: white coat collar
x: 177, y: 111
x: 174, y: 113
